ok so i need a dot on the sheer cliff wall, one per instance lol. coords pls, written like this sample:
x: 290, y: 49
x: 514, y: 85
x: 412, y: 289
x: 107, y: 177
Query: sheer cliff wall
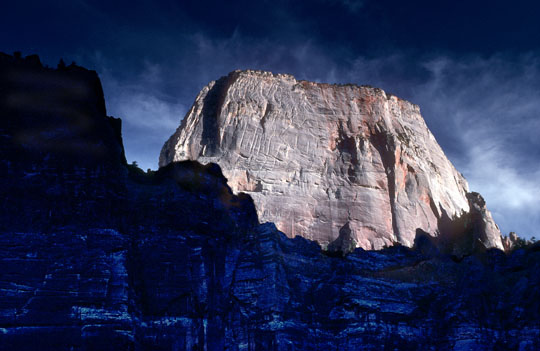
x: 332, y: 163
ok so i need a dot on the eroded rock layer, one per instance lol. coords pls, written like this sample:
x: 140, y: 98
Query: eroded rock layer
x: 321, y: 159
x: 99, y: 255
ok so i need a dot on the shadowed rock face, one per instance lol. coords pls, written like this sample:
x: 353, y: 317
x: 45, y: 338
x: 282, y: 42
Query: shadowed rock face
x: 98, y: 255
x: 316, y: 157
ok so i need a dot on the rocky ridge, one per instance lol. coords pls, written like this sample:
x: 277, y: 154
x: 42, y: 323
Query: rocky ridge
x: 323, y: 161
x: 99, y: 255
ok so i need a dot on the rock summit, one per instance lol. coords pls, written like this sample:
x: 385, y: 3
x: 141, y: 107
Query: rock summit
x: 324, y: 160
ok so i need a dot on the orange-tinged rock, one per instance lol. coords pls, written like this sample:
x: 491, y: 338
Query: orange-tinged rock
x: 318, y: 157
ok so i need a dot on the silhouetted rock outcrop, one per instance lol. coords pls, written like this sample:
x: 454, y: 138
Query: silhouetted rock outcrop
x: 98, y: 255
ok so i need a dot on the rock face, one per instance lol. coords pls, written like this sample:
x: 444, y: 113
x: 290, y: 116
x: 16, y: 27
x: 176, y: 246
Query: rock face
x: 319, y: 158
x: 98, y: 255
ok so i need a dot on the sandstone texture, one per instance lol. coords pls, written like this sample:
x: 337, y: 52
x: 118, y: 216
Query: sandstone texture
x: 99, y: 255
x: 321, y: 159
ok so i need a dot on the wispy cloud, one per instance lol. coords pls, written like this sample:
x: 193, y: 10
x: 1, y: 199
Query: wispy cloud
x: 491, y: 108
x: 148, y: 114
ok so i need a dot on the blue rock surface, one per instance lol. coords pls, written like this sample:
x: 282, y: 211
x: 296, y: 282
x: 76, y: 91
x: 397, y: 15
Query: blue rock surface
x: 97, y: 255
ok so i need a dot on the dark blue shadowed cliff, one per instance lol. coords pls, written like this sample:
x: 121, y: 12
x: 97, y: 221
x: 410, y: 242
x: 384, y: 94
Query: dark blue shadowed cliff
x: 96, y: 254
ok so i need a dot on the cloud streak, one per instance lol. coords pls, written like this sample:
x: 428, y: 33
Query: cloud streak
x: 492, y: 108
x: 147, y: 113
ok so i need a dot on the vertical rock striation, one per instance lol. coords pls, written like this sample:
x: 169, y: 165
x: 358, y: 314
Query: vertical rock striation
x: 318, y: 158
x: 99, y: 255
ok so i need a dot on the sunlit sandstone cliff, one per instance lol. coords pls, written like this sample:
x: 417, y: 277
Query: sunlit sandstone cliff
x: 99, y: 255
x: 342, y: 164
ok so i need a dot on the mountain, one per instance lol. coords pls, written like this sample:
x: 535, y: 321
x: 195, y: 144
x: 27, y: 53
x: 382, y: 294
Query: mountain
x: 96, y: 254
x: 345, y: 165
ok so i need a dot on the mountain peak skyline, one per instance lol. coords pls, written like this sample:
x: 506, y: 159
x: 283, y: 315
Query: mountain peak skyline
x: 474, y: 69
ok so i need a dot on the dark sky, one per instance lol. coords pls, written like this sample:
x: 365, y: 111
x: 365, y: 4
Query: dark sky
x: 472, y: 66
